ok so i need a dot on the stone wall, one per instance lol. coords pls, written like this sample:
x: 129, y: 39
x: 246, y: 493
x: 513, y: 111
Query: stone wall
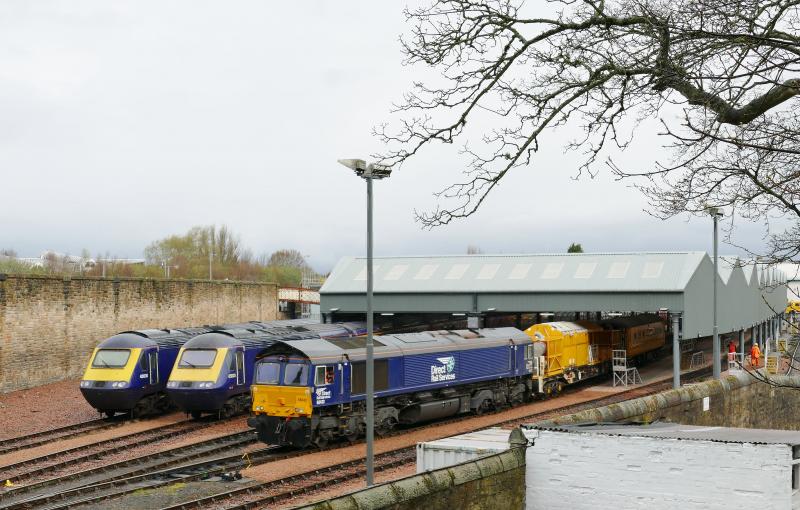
x: 49, y: 325
x: 496, y: 482
x: 735, y: 401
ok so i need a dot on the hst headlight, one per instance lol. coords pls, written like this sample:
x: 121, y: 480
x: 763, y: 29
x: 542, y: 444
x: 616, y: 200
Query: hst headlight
x: 86, y: 384
x: 119, y: 384
x: 206, y: 384
x: 172, y: 384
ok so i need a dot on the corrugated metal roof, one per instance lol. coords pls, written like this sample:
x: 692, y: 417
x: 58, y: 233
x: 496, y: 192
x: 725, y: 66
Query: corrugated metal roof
x: 685, y: 432
x: 579, y: 272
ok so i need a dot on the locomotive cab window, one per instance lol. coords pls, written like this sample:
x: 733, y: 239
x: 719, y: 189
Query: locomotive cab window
x: 295, y: 374
x: 268, y: 373
x: 323, y: 375
x: 111, y: 358
x: 194, y: 358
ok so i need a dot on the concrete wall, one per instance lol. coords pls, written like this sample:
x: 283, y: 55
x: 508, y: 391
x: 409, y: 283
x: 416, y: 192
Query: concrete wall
x: 49, y: 325
x: 585, y: 471
x: 735, y: 401
x: 496, y: 482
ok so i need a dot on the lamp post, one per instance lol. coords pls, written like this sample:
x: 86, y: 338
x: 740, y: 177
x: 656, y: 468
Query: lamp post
x: 716, y: 213
x: 368, y: 172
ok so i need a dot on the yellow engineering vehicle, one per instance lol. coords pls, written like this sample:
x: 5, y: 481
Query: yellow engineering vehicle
x: 568, y: 352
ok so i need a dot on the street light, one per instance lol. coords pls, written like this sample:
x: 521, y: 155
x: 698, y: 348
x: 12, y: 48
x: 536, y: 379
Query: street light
x: 369, y: 172
x: 716, y: 214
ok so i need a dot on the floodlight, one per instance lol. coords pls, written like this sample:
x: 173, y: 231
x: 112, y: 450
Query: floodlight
x: 367, y: 171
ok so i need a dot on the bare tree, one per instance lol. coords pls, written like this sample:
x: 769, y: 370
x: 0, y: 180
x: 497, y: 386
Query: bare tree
x: 287, y: 258
x: 729, y: 68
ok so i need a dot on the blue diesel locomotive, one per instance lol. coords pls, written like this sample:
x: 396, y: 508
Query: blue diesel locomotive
x: 214, y: 371
x: 128, y: 372
x: 312, y: 391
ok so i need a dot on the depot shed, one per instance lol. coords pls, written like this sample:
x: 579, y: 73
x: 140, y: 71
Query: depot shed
x: 661, y: 466
x: 478, y: 285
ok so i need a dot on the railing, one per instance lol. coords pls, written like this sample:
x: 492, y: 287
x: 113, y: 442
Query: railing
x: 735, y: 362
x: 298, y: 295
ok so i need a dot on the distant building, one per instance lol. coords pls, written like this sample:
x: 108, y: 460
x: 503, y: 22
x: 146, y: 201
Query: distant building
x: 792, y: 272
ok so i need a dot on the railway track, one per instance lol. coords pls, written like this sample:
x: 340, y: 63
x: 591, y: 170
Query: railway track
x: 53, y: 462
x: 165, y: 468
x: 48, y: 436
x: 78, y: 483
x: 270, y: 493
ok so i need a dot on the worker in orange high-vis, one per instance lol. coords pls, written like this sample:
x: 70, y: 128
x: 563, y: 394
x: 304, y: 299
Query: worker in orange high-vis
x: 755, y: 354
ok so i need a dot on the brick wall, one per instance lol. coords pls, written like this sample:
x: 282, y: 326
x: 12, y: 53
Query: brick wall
x: 49, y: 325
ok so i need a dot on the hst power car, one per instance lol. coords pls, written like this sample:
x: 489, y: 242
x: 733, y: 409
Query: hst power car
x: 214, y: 371
x: 128, y: 372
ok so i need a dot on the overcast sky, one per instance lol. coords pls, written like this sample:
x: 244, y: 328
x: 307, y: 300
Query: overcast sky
x: 125, y: 122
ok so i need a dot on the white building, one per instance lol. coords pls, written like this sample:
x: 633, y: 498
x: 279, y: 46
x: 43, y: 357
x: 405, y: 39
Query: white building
x: 661, y: 466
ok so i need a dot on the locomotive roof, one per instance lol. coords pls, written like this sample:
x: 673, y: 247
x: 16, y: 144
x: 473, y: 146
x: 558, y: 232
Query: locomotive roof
x: 143, y: 338
x: 333, y: 349
x: 261, y: 338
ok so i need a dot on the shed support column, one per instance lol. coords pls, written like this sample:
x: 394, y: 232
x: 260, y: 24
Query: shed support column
x: 676, y: 352
x: 741, y: 345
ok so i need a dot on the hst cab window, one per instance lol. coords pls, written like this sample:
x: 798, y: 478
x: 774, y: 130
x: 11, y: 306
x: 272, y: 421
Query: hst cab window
x: 295, y: 374
x: 268, y: 373
x: 194, y: 358
x: 111, y: 358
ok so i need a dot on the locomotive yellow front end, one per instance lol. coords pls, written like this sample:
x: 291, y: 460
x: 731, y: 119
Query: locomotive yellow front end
x: 282, y: 401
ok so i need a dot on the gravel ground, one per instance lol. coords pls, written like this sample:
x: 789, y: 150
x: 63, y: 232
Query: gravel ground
x: 42, y: 408
x: 89, y: 438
